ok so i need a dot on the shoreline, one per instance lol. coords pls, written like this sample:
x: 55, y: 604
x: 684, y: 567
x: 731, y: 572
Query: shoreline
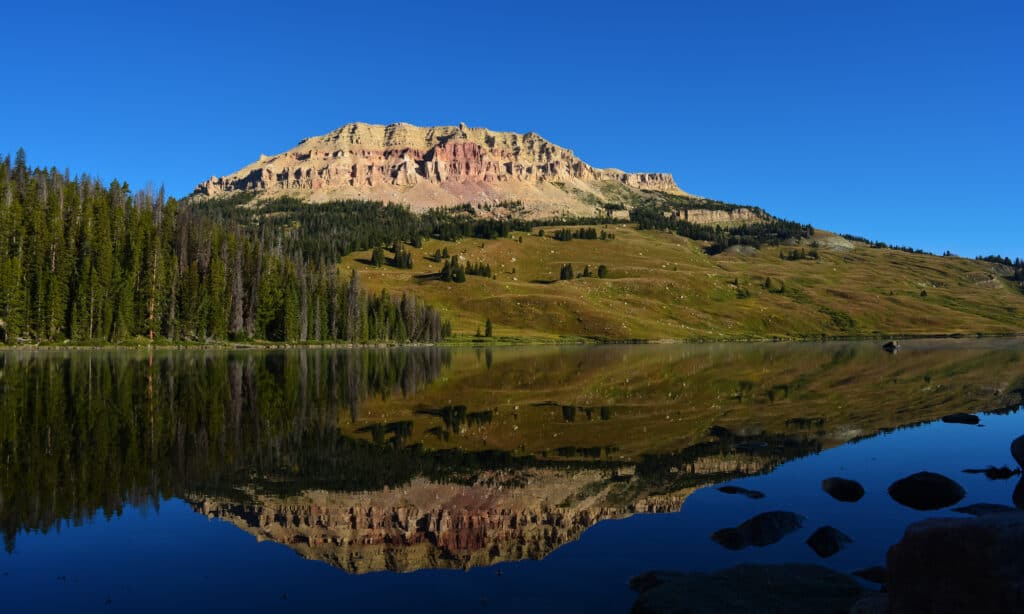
x: 479, y: 342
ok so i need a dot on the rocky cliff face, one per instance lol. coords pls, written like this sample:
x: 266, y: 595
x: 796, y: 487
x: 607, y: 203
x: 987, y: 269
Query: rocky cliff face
x: 502, y: 516
x: 431, y: 167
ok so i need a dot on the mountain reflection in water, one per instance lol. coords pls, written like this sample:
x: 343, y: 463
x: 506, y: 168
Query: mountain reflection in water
x: 405, y: 459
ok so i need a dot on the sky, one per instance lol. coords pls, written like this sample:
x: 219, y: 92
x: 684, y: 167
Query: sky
x: 899, y: 121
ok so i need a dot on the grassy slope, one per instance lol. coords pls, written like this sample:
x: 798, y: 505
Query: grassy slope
x: 663, y: 286
x: 663, y: 398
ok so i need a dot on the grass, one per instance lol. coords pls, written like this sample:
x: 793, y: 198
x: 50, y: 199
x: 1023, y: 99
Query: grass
x: 630, y: 401
x: 663, y: 286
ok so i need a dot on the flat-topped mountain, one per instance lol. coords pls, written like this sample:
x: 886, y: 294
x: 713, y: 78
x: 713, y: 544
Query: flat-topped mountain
x: 438, y: 166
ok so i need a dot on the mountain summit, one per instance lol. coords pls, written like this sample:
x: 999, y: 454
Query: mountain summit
x: 440, y: 166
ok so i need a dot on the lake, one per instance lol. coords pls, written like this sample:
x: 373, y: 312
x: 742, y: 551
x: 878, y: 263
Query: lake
x: 455, y: 479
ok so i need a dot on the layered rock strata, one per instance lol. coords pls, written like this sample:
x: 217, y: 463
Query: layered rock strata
x: 437, y: 166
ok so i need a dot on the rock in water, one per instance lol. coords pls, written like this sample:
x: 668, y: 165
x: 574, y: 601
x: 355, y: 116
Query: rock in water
x: 1017, y: 450
x: 771, y: 589
x: 827, y: 541
x: 995, y: 473
x: 842, y: 489
x: 926, y: 491
x: 961, y: 418
x: 947, y: 565
x: 761, y: 530
x: 746, y: 492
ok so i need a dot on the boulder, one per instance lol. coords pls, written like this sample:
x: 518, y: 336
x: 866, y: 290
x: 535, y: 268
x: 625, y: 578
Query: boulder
x: 827, y: 541
x: 761, y: 530
x: 961, y: 418
x: 769, y: 589
x: 947, y: 565
x: 842, y: 489
x: 1017, y: 450
x: 926, y: 491
x: 746, y: 492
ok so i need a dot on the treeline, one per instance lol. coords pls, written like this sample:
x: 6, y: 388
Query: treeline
x: 568, y: 234
x: 131, y: 429
x: 325, y: 232
x: 882, y: 244
x: 1016, y: 267
x: 567, y: 272
x: 92, y: 263
x: 800, y: 254
x: 757, y: 234
x: 455, y: 271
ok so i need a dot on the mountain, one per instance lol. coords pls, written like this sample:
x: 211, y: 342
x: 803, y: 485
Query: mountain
x: 506, y: 515
x: 428, y: 167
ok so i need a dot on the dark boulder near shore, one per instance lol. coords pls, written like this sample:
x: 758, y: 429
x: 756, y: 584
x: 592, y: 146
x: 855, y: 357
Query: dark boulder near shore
x: 1017, y: 450
x: 847, y: 491
x: 926, y: 491
x: 947, y: 565
x: 761, y: 530
x: 827, y: 541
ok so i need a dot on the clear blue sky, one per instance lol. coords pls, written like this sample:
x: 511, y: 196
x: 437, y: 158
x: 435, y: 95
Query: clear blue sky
x: 900, y: 121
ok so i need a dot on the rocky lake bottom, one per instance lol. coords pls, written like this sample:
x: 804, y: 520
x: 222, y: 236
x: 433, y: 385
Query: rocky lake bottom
x: 505, y: 479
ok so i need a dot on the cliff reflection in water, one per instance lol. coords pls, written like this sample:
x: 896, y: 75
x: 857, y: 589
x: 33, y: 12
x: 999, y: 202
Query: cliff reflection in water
x: 414, y: 458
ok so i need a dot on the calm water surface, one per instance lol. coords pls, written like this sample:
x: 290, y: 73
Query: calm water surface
x: 462, y: 479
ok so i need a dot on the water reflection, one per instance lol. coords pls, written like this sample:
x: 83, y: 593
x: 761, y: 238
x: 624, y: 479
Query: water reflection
x: 434, y: 458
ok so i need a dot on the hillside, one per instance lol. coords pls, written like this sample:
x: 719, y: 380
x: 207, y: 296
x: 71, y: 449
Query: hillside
x: 426, y: 167
x: 660, y: 285
x: 92, y: 264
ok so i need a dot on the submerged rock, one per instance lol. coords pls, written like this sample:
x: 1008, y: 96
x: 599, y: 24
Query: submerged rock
x: 761, y: 530
x: 947, y: 565
x: 771, y: 589
x: 827, y: 541
x: 983, y: 509
x: 746, y: 492
x: 842, y: 489
x: 961, y: 418
x: 926, y: 491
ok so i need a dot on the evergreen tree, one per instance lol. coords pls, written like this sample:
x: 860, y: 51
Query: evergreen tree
x: 377, y: 258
